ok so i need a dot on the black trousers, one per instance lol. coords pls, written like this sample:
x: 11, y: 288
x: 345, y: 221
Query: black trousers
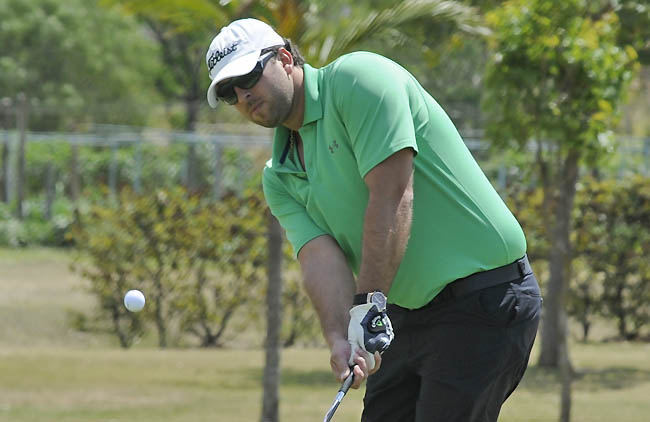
x: 457, y: 360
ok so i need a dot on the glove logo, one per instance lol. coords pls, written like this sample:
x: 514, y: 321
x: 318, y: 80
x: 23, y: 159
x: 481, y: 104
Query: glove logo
x: 377, y: 324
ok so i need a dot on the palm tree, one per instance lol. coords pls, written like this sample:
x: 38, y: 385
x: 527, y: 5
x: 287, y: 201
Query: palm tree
x: 183, y: 30
x: 324, y: 40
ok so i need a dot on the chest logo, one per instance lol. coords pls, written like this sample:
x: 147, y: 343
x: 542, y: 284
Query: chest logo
x: 333, y: 146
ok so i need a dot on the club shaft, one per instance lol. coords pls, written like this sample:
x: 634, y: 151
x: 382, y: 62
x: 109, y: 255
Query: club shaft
x: 345, y: 386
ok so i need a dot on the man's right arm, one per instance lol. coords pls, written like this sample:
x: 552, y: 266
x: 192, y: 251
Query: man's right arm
x: 331, y: 287
x: 327, y: 277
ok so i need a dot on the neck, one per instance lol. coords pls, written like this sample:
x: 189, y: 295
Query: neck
x: 297, y: 112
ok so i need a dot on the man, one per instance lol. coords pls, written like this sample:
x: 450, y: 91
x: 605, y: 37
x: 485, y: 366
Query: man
x: 369, y: 178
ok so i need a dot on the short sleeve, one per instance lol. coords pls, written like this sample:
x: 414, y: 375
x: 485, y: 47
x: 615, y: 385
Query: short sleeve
x: 373, y: 97
x: 293, y: 217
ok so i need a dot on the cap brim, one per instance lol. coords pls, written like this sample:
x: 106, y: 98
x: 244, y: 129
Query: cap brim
x: 237, y: 67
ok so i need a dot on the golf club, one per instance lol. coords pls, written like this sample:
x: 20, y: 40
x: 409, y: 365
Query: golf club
x: 377, y: 344
x: 345, y: 386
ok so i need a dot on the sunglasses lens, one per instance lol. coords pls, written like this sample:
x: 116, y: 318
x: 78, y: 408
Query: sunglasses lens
x: 227, y: 94
x: 249, y: 81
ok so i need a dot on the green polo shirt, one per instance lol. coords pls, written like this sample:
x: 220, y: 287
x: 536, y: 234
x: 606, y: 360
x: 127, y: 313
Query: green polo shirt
x: 359, y: 110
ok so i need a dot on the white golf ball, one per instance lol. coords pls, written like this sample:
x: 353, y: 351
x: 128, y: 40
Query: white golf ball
x: 134, y: 300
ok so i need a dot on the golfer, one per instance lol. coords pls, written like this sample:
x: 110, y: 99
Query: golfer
x: 404, y: 245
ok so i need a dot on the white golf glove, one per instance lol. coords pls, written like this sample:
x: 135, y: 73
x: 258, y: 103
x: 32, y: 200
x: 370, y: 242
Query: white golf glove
x: 369, y: 330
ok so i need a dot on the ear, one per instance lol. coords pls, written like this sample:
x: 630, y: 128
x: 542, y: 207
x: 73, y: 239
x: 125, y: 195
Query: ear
x: 286, y: 58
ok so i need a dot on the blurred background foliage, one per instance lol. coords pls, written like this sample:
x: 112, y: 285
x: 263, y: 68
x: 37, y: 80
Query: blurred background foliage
x: 126, y: 61
x: 76, y: 62
x: 82, y: 64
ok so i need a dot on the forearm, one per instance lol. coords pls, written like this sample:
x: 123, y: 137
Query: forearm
x: 387, y: 222
x: 386, y: 229
x: 329, y: 284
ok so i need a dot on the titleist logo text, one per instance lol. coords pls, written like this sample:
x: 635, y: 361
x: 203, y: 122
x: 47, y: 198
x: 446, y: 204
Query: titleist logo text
x: 217, y: 56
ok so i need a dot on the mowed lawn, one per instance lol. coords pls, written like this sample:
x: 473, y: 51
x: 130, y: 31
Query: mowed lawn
x: 48, y: 372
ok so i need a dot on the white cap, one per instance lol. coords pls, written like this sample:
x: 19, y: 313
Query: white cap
x: 235, y: 50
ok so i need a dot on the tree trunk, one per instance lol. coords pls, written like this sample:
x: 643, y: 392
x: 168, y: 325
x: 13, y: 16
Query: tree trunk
x: 117, y: 327
x: 192, y: 103
x: 161, y: 327
x: 619, y: 312
x: 21, y: 124
x: 192, y: 110
x: 271, y: 400
x: 553, y: 336
x: 192, y: 170
x: 216, y: 189
x: 566, y: 375
x: 586, y: 326
x: 4, y: 176
x: 549, y: 355
x: 50, y: 190
x: 6, y: 150
x: 75, y: 185
x: 158, y: 299
x: 586, y: 317
x: 113, y: 170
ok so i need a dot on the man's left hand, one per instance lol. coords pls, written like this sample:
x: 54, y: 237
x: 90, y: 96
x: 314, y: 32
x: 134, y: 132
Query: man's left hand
x: 369, y: 330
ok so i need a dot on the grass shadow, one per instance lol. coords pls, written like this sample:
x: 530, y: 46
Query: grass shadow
x: 541, y: 380
x: 297, y: 378
x: 615, y: 378
x: 536, y: 379
x: 292, y: 377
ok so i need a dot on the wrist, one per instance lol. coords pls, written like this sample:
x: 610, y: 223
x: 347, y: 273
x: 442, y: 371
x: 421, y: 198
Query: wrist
x: 334, y: 338
x: 376, y: 297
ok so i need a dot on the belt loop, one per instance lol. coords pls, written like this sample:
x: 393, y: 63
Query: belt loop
x: 521, y: 265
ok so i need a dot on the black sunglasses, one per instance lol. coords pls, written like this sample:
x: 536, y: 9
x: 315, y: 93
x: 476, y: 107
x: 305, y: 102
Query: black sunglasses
x: 226, y: 91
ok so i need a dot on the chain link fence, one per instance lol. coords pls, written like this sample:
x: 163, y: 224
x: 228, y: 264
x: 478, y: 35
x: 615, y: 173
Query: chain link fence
x: 210, y: 160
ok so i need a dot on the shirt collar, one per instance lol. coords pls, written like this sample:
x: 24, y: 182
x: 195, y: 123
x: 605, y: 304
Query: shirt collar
x: 313, y: 106
x: 313, y: 112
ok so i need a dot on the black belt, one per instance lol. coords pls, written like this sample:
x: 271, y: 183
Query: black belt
x: 479, y: 281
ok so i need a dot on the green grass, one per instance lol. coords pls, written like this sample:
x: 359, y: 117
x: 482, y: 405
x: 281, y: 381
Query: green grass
x: 49, y: 373
x: 37, y: 289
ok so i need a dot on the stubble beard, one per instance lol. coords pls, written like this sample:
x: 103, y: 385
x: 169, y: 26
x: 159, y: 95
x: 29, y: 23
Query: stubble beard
x: 275, y: 116
x: 278, y: 107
